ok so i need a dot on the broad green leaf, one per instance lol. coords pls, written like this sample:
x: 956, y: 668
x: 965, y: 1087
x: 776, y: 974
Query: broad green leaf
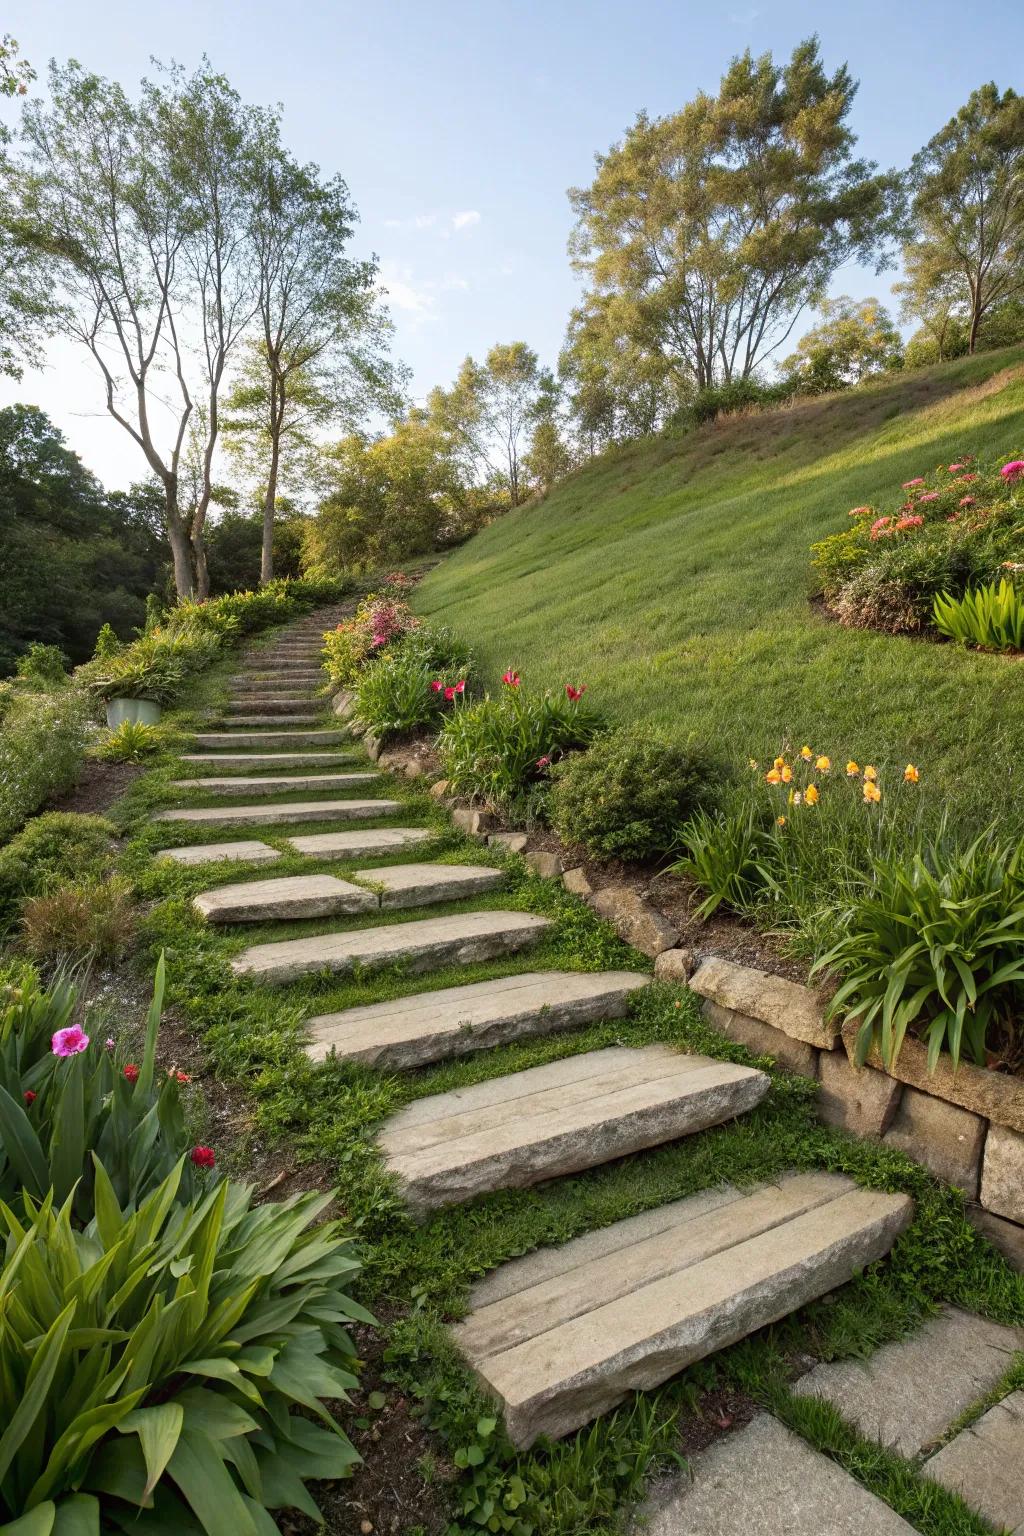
x: 78, y: 1515
x: 208, y: 1487
x: 21, y: 1144
x: 38, y: 1522
x: 158, y: 1429
x: 37, y: 1389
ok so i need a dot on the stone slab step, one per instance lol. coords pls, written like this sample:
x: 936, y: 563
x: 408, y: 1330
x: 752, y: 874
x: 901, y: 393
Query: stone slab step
x: 301, y: 810
x: 254, y: 677
x: 419, y: 885
x: 294, y: 896
x: 235, y: 740
x: 272, y: 706
x: 763, y: 1480
x: 419, y: 946
x: 234, y: 722
x: 360, y: 845
x: 215, y: 853
x: 430, y: 1026
x: 280, y: 784
x: 556, y: 1119
x: 983, y: 1464
x: 244, y: 760
x: 566, y: 1333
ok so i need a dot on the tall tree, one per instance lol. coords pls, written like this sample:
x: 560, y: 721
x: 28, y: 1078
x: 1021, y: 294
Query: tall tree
x: 968, y: 205
x: 487, y: 413
x: 323, y: 329
x: 855, y: 338
x: 617, y: 385
x: 717, y: 225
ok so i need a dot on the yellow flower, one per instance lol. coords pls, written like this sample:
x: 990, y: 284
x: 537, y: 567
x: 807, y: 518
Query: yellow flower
x: 910, y: 774
x: 780, y: 762
x: 851, y: 769
x: 786, y: 773
x: 872, y: 793
x: 780, y: 821
x: 871, y: 774
x: 806, y: 754
x: 811, y: 794
x: 823, y: 764
x: 773, y: 776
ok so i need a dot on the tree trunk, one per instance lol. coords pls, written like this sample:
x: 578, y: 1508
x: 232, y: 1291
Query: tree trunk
x: 269, y: 505
x: 177, y: 537
x: 201, y: 568
x: 975, y: 322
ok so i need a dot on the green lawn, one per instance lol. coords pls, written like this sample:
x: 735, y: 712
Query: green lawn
x: 672, y: 576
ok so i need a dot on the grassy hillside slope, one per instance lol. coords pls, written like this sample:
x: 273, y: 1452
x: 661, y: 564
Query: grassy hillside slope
x: 672, y: 577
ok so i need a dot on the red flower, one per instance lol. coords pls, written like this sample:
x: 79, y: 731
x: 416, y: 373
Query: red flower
x: 182, y: 1077
x: 460, y: 686
x: 29, y: 1096
x: 131, y: 1072
x: 203, y: 1157
x: 575, y: 693
x: 910, y: 522
x: 511, y: 679
x: 449, y: 693
x: 436, y: 685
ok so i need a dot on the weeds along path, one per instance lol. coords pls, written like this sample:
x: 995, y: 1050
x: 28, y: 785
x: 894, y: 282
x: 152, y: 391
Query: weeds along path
x: 596, y: 1232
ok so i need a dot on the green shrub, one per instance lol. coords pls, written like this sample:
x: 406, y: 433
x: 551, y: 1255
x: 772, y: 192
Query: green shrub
x: 741, y: 394
x: 991, y: 617
x: 42, y: 744
x: 51, y: 850
x: 43, y: 666
x: 500, y: 750
x: 440, y: 648
x: 129, y: 743
x: 107, y: 643
x: 152, y: 1363
x: 56, y: 1111
x: 83, y: 921
x: 732, y: 855
x: 627, y: 796
x: 379, y: 627
x: 401, y: 693
x: 935, y: 942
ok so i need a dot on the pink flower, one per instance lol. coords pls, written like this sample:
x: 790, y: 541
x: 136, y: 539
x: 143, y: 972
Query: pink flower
x: 69, y: 1042
x: 203, y: 1157
x: 1013, y: 470
x: 511, y: 679
x: 436, y: 685
x: 880, y: 527
x: 928, y: 496
x: 955, y: 468
x: 543, y: 762
x: 379, y: 640
x: 449, y: 693
x: 966, y: 479
x: 966, y: 501
x: 908, y: 483
x: 910, y: 522
x: 575, y: 694
x: 108, y: 1043
x: 131, y: 1072
x: 460, y: 686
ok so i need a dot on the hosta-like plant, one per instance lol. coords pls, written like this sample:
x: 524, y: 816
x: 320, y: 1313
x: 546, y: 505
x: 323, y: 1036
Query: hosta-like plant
x: 731, y: 855
x: 989, y: 616
x: 934, y: 944
x: 152, y: 1363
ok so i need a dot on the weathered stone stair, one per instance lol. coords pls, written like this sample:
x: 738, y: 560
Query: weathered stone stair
x: 232, y: 740
x: 302, y: 896
x: 211, y: 853
x: 360, y: 845
x: 246, y: 760
x: 298, y: 811
x: 276, y: 785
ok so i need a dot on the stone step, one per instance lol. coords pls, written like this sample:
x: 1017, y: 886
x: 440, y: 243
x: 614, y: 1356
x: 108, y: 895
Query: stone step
x: 294, y: 896
x: 566, y: 1333
x: 295, y: 693
x: 430, y: 1026
x: 243, y: 722
x: 265, y: 815
x: 244, y: 760
x: 360, y: 845
x: 419, y: 946
x: 273, y: 706
x: 421, y: 885
x: 276, y: 675
x: 233, y: 740
x: 556, y: 1119
x: 281, y: 784
x: 214, y: 853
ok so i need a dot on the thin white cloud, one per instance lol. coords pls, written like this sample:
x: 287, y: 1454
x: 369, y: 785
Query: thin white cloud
x: 418, y: 221
x: 401, y: 292
x: 466, y: 219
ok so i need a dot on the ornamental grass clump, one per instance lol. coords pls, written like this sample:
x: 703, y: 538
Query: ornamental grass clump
x: 990, y: 617
x: 401, y: 692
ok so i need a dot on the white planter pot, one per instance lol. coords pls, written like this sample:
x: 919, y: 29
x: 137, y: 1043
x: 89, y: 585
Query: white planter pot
x: 138, y: 711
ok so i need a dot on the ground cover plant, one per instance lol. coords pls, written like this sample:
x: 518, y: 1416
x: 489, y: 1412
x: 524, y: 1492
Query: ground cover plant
x: 43, y: 737
x: 52, y: 850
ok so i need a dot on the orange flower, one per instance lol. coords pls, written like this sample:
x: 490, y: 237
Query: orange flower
x: 823, y: 764
x: 851, y: 769
x: 780, y: 821
x: 871, y: 774
x: 811, y: 794
x: 911, y: 774
x: 872, y: 793
x: 786, y: 773
x: 780, y: 762
x: 773, y: 776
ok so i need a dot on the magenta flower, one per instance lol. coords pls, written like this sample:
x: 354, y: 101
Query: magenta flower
x: 436, y: 685
x: 511, y: 679
x: 69, y: 1042
x: 908, y: 484
x: 1013, y: 470
x: 449, y: 693
x: 575, y: 694
x: 955, y: 468
x: 460, y: 686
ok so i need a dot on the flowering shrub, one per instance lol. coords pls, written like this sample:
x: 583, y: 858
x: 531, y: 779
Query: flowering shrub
x: 958, y: 529
x: 400, y: 692
x: 380, y: 625
x: 42, y: 743
x: 501, y: 750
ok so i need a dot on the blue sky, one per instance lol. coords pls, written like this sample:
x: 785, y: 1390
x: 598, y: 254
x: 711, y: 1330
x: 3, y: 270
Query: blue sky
x: 459, y: 126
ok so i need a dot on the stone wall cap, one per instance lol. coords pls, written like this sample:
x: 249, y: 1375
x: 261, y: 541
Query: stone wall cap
x: 786, y: 1005
x: 994, y: 1095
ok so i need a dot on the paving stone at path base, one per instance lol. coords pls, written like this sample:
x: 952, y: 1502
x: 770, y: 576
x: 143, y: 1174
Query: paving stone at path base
x: 214, y: 853
x: 247, y: 760
x: 360, y: 845
x: 418, y: 885
x: 547, y: 1121
x: 294, y: 896
x: 430, y: 1026
x: 240, y: 740
x: 566, y: 1333
x: 763, y: 1480
x: 984, y: 1464
x: 419, y: 946
x: 279, y: 784
x: 907, y: 1394
x: 265, y: 815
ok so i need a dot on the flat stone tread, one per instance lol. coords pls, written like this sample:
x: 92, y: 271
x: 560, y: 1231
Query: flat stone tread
x: 430, y: 938
x: 243, y: 784
x: 564, y: 1376
x: 267, y: 759
x: 907, y: 1394
x: 984, y: 1462
x: 231, y: 721
x: 290, y: 896
x: 763, y: 1480
x: 230, y: 739
x: 359, y: 845
x: 404, y: 884
x: 455, y: 1019
x: 212, y: 853
x: 308, y: 810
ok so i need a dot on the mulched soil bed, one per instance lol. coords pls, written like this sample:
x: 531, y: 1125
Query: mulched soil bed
x: 99, y: 785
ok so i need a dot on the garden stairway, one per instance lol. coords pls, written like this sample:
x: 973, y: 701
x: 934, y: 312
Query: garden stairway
x: 566, y: 1332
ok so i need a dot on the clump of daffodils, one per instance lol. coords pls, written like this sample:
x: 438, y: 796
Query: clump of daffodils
x: 801, y: 775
